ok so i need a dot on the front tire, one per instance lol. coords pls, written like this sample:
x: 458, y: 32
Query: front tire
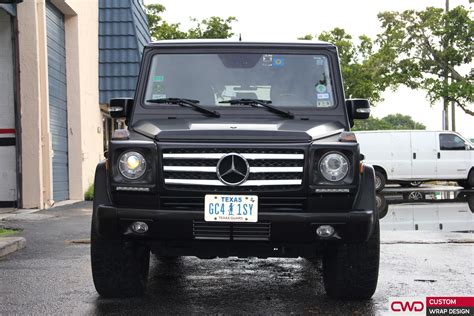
x: 119, y: 269
x: 469, y: 182
x: 350, y: 271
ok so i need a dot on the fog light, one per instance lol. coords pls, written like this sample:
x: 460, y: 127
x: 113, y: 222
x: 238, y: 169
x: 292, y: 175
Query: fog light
x: 325, y: 231
x: 139, y: 227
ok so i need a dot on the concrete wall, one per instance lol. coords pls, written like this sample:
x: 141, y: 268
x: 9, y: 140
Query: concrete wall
x: 84, y: 118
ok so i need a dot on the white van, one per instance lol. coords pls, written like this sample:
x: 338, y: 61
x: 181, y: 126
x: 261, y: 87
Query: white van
x: 411, y: 157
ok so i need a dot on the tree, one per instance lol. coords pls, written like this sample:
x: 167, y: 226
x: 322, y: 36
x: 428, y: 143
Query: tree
x: 393, y: 121
x: 362, y: 67
x: 213, y: 27
x: 428, y: 46
x: 160, y: 29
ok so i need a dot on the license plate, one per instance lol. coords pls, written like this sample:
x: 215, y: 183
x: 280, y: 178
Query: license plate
x: 231, y: 208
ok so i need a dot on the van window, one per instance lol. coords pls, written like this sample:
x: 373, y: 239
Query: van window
x: 451, y: 142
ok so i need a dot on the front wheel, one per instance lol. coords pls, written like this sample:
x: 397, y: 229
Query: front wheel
x: 469, y: 182
x: 350, y: 271
x: 119, y: 269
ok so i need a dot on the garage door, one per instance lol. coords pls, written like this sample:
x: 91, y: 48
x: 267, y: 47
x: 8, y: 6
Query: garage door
x: 8, y: 180
x: 57, y: 101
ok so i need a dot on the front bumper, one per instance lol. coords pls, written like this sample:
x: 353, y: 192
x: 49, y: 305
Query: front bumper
x: 173, y: 225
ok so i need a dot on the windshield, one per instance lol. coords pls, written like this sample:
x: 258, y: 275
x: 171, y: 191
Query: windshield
x: 284, y: 79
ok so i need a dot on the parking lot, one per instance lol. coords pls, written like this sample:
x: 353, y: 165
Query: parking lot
x: 427, y: 249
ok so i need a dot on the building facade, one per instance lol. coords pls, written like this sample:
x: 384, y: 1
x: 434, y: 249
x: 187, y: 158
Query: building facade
x: 51, y: 126
x: 123, y: 31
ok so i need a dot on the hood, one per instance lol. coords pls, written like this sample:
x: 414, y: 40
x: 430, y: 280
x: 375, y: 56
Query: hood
x: 206, y: 129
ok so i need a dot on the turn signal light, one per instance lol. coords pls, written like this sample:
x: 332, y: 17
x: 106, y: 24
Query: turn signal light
x: 348, y: 137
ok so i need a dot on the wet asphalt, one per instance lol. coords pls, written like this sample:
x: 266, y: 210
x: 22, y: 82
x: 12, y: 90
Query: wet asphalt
x: 52, y: 275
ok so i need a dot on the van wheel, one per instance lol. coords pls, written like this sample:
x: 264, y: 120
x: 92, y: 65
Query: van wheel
x: 350, y: 271
x: 119, y: 269
x: 413, y: 184
x: 380, y: 180
x: 469, y: 182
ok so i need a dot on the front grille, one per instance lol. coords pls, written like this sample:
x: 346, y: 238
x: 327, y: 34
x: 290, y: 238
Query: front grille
x: 196, y: 168
x: 265, y: 204
x: 231, y: 231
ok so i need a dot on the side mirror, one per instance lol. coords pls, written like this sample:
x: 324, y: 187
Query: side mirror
x: 120, y: 108
x: 359, y: 109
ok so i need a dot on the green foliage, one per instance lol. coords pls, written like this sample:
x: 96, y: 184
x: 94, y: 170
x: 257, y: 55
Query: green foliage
x: 89, y: 195
x: 213, y: 27
x: 5, y: 232
x: 362, y: 67
x: 425, y: 47
x: 389, y: 122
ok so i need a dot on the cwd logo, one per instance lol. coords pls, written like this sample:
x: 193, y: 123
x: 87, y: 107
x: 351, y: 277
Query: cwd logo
x: 406, y: 306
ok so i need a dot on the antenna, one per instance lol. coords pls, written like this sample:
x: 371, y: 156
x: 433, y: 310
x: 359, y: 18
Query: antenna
x: 240, y: 37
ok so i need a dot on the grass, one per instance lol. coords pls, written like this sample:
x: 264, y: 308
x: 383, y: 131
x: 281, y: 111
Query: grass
x: 89, y: 195
x: 4, y: 232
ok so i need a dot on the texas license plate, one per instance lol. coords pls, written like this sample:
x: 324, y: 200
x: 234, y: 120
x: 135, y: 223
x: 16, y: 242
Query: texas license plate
x: 231, y: 208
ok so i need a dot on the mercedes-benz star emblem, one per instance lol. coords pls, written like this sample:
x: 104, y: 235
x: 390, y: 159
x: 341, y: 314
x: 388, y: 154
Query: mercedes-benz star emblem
x: 233, y: 169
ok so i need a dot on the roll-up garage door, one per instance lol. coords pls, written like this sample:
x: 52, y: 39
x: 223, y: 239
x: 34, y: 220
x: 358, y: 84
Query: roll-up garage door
x: 57, y: 100
x: 8, y: 175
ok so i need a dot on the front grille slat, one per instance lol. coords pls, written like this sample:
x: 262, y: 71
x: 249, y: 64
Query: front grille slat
x: 273, y: 204
x: 231, y: 231
x: 196, y: 168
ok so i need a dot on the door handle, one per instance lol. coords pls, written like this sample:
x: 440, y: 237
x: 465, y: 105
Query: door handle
x: 439, y: 155
x: 414, y: 155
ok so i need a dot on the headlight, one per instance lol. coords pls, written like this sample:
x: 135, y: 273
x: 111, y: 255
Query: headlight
x: 334, y: 167
x: 132, y: 165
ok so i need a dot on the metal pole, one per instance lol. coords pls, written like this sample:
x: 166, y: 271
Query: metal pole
x: 446, y: 83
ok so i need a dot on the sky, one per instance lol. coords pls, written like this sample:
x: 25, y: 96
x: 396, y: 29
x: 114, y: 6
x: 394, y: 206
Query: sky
x: 287, y: 20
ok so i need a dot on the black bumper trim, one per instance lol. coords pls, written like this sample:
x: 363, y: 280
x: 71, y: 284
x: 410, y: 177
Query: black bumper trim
x: 355, y: 225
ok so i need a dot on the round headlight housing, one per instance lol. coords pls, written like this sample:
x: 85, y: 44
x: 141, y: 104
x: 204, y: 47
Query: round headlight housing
x: 132, y: 165
x: 334, y: 166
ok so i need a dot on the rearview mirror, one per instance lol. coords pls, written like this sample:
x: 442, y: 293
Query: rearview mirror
x: 358, y: 109
x: 120, y: 108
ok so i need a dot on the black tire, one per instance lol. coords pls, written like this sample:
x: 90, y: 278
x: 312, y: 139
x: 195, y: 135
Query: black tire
x: 380, y: 180
x: 469, y: 183
x: 350, y: 271
x: 119, y: 269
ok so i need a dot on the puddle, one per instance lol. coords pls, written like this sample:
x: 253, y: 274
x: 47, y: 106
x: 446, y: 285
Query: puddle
x: 427, y: 210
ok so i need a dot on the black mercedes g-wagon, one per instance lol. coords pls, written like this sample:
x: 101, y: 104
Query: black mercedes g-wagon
x: 236, y: 149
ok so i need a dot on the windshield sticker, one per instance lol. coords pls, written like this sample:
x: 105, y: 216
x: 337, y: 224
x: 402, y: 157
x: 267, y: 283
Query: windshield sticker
x: 158, y: 78
x: 319, y: 60
x: 158, y: 96
x: 322, y: 95
x: 278, y: 61
x: 158, y: 87
x: 323, y: 104
x: 321, y: 88
x: 267, y: 60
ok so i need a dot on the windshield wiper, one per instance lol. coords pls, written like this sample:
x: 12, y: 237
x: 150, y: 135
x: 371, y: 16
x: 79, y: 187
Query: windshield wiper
x: 186, y: 102
x: 264, y: 103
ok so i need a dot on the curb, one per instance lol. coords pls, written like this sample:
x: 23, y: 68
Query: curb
x: 11, y: 244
